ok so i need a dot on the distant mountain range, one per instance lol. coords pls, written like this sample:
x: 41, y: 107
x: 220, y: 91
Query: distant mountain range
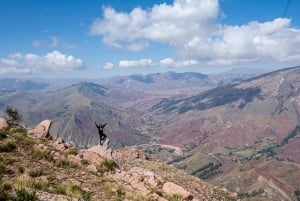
x: 244, y: 136
x: 236, y: 131
x: 10, y: 85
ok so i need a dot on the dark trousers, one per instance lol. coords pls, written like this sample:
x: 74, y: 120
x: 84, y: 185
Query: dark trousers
x: 102, y: 138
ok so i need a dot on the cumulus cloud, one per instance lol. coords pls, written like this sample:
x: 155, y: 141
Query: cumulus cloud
x: 108, y: 66
x: 169, y: 62
x: 193, y: 29
x: 135, y: 63
x: 32, y: 63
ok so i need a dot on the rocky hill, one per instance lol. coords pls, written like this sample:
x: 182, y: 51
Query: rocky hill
x: 243, y: 136
x: 34, y: 167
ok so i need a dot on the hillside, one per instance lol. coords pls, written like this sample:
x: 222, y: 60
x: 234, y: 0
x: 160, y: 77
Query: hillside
x: 118, y: 101
x: 33, y: 167
x: 243, y: 136
x: 74, y: 109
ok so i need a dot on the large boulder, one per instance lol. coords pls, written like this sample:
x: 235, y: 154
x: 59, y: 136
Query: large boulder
x: 42, y: 129
x: 3, y: 123
x: 102, y: 150
x: 171, y: 188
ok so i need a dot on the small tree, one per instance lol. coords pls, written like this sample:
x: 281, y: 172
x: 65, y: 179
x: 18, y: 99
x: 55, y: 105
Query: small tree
x: 13, y: 116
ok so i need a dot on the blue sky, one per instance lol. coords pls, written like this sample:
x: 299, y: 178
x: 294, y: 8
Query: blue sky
x: 93, y: 39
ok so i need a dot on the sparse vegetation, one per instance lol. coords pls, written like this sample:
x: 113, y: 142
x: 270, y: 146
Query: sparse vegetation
x: 3, y: 134
x: 174, y: 198
x: 71, y: 152
x: 39, y: 154
x: 13, y: 116
x: 297, y: 194
x: 251, y: 194
x: 157, y: 189
x: 207, y: 170
x: 290, y: 136
x: 2, y: 169
x: 107, y: 165
x: 5, y: 188
x: 21, y: 169
x: 27, y: 166
x: 23, y: 195
x: 65, y: 163
x: 35, y: 172
x: 84, y: 162
x: 7, y: 146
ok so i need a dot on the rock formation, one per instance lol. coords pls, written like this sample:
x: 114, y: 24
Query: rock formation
x: 3, y: 123
x: 42, y: 129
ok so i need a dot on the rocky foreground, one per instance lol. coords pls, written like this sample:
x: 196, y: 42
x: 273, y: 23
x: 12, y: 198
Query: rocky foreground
x: 35, y: 167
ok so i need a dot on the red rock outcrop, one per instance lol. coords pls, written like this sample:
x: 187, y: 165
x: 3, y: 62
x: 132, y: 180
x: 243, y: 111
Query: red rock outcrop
x: 41, y: 130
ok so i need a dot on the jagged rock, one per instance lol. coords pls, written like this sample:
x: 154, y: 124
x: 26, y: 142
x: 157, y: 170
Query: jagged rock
x: 128, y: 154
x: 3, y: 123
x: 42, y: 129
x: 102, y: 150
x: 171, y: 188
x: 140, y: 179
x: 92, y: 157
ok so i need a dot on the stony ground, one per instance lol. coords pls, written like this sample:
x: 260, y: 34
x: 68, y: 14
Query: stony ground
x: 34, y: 168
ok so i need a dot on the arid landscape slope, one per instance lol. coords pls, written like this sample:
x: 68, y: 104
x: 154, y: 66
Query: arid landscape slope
x: 33, y: 167
x: 243, y: 136
x: 235, y: 132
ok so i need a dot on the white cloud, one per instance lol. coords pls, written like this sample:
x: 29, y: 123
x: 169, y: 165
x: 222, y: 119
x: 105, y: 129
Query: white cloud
x: 192, y: 28
x: 32, y: 63
x: 169, y: 62
x: 108, y: 66
x: 135, y: 63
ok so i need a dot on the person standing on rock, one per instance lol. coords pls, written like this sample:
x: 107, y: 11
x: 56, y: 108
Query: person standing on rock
x: 102, y: 136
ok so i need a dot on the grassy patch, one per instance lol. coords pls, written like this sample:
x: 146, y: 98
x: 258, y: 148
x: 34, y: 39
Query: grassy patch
x: 84, y: 162
x: 5, y: 188
x: 107, y: 165
x: 7, y: 146
x: 71, y: 152
x: 3, y: 134
x: 40, y: 154
x: 23, y: 195
x: 64, y: 163
x: 174, y: 198
x: 72, y: 190
x: 35, y: 173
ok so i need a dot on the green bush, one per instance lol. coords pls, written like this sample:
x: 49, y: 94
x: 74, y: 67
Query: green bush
x: 7, y: 147
x: 21, y: 169
x: 13, y: 116
x: 36, y: 173
x: 3, y: 134
x: 71, y: 152
x: 107, y: 165
x: 4, y: 191
x: 2, y: 169
x: 23, y: 195
x: 175, y: 198
x: 39, y: 154
x: 64, y: 163
x: 84, y: 162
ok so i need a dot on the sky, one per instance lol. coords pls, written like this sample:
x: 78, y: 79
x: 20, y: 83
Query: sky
x: 103, y: 38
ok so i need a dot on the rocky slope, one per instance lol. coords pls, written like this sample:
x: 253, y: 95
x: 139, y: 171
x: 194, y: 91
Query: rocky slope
x: 242, y: 136
x: 33, y: 167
